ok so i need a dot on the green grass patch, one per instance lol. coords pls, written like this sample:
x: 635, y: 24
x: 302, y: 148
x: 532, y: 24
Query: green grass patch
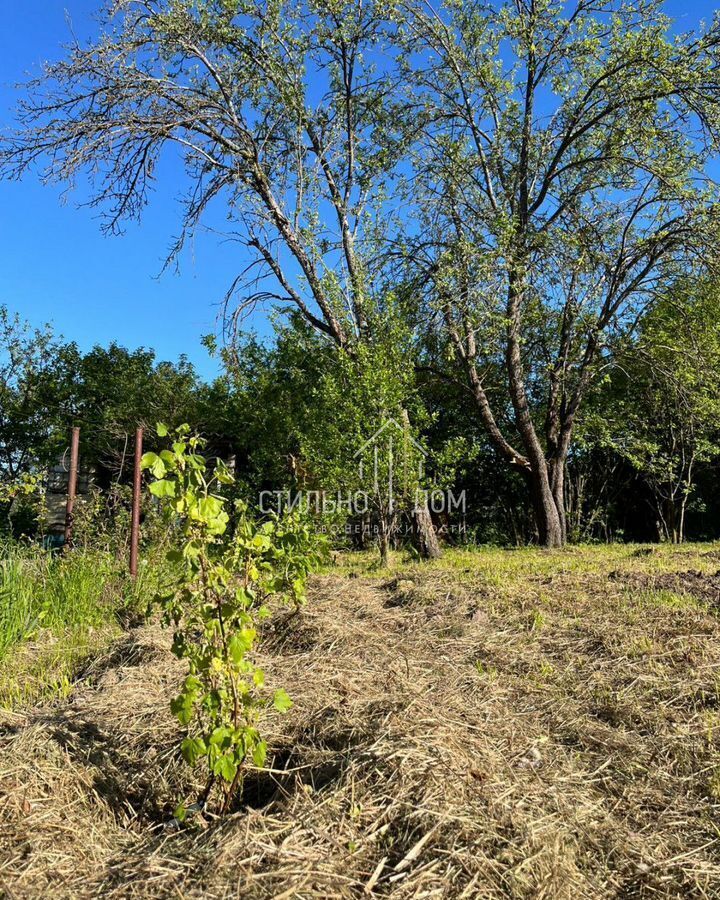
x: 48, y: 666
x: 667, y: 599
x: 56, y: 612
x: 515, y: 567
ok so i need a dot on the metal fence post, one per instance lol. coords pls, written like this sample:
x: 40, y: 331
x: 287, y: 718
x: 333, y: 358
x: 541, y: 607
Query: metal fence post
x: 72, y: 485
x: 136, y: 502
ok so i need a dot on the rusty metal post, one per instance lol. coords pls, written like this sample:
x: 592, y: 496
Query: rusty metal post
x: 72, y: 485
x: 136, y: 502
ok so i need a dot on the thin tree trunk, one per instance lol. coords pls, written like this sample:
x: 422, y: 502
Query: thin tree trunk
x: 426, y: 539
x: 661, y: 524
x: 684, y: 502
x: 681, y: 526
x: 384, y: 546
x: 557, y: 487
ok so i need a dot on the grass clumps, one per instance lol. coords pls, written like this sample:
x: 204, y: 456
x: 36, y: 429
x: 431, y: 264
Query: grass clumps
x: 56, y: 612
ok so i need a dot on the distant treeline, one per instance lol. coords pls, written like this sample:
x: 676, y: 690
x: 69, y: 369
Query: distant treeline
x: 288, y: 413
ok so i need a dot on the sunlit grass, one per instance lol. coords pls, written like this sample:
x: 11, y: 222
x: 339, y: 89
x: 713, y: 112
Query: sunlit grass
x: 47, y: 666
x: 56, y: 611
x: 501, y: 566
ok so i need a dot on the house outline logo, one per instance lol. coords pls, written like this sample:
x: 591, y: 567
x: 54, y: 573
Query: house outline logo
x: 387, y: 429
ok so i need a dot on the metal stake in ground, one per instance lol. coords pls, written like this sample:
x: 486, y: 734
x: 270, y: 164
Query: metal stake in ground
x: 137, y: 499
x: 72, y: 485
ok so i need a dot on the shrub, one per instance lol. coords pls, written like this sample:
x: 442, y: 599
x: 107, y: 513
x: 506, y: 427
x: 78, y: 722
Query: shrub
x: 225, y: 573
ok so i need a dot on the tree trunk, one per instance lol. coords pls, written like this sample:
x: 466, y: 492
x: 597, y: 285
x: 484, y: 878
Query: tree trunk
x: 549, y: 517
x: 386, y: 527
x: 384, y: 546
x: 557, y: 486
x: 426, y: 540
x: 423, y: 531
x: 681, y: 524
x: 672, y: 520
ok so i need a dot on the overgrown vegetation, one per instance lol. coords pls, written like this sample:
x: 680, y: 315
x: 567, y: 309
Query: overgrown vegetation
x: 56, y: 613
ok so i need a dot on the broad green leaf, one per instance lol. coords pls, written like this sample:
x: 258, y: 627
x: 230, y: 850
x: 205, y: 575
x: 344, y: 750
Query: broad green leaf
x: 261, y: 542
x: 163, y: 488
x: 259, y: 754
x: 158, y: 468
x: 148, y: 460
x: 281, y: 701
x: 192, y: 749
x: 236, y: 649
x: 226, y: 768
x: 210, y: 507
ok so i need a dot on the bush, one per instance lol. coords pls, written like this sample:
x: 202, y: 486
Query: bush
x: 225, y: 574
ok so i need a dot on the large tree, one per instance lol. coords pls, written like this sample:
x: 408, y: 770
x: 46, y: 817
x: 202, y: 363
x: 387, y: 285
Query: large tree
x: 565, y: 170
x: 284, y: 116
x: 279, y: 116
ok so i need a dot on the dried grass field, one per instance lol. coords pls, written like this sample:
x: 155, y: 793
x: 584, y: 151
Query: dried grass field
x: 501, y: 724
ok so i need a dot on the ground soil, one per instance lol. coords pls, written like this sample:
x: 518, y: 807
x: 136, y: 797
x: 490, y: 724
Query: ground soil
x: 495, y: 725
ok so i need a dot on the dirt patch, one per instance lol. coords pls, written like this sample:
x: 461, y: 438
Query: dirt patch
x: 693, y: 583
x: 548, y: 741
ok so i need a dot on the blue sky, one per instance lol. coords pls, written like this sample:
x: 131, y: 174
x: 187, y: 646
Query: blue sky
x: 55, y: 265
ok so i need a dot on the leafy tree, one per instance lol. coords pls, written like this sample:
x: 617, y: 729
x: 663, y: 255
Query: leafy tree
x: 565, y: 166
x: 280, y: 112
x: 111, y: 391
x: 27, y: 359
x: 660, y: 411
x: 47, y: 385
x: 276, y: 111
x: 308, y: 410
x: 358, y: 439
x: 495, y: 508
x: 271, y: 396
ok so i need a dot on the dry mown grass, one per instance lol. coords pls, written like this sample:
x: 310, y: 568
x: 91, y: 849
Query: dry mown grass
x: 502, y: 725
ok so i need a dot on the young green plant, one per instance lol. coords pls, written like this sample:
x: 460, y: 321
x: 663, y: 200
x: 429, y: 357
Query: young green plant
x: 225, y: 573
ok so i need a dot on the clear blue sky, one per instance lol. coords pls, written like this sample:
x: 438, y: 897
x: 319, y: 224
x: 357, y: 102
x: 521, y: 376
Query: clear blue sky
x: 55, y: 265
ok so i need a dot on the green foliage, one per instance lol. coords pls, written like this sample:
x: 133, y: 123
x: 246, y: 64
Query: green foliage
x: 27, y: 357
x: 356, y: 395
x: 41, y: 592
x: 25, y: 485
x: 659, y: 409
x: 225, y: 575
x: 317, y: 408
x: 109, y: 392
x: 47, y: 385
x: 527, y: 172
x: 23, y: 501
x: 58, y: 611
